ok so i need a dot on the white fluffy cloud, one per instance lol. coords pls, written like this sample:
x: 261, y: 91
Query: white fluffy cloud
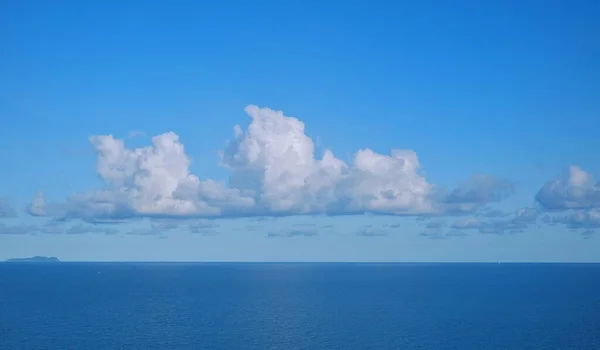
x: 274, y: 163
x: 274, y: 171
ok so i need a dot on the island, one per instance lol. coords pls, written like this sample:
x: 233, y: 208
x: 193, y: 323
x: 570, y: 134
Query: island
x: 35, y: 259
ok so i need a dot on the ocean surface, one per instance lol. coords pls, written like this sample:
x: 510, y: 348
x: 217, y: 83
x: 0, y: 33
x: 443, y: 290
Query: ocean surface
x: 299, y: 306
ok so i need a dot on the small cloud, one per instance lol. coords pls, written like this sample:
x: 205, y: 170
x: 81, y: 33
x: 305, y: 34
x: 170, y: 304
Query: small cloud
x: 371, y: 231
x: 262, y: 218
x: 204, y: 227
x: 521, y: 220
x: 136, y: 133
x: 436, y: 224
x: 158, y: 227
x: 493, y: 213
x: 296, y: 231
x: 467, y: 223
x: 144, y: 232
x: 439, y: 232
x: 433, y: 233
x: 21, y: 229
x: 252, y: 228
x: 37, y: 207
x: 164, y: 225
x: 588, y: 233
x: 80, y: 229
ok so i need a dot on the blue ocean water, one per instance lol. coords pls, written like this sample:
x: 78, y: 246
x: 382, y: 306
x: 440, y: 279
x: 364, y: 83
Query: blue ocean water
x: 299, y: 306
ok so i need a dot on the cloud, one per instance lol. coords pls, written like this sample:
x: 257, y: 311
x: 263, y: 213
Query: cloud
x: 38, y: 206
x: 295, y: 231
x: 252, y: 227
x: 52, y: 227
x: 204, y: 227
x: 372, y: 231
x: 433, y: 233
x: 158, y: 227
x: 579, y: 219
x: 493, y: 213
x: 572, y: 200
x: 6, y: 209
x: 145, y: 232
x: 588, y: 233
x: 521, y: 220
x: 87, y: 229
x: 435, y: 229
x: 20, y: 229
x: 476, y: 192
x: 136, y: 133
x: 577, y: 189
x: 436, y: 224
x: 273, y: 172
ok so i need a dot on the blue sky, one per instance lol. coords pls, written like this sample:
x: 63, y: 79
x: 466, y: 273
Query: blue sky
x: 493, y: 107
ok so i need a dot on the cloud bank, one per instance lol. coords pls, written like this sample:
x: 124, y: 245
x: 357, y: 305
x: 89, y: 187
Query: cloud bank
x: 273, y: 172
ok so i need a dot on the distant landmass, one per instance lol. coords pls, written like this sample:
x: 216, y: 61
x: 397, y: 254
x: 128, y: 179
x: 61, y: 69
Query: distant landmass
x: 43, y: 259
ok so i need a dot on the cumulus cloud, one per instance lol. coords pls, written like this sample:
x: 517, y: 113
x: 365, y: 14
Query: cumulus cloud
x: 572, y: 200
x: 577, y: 189
x: 274, y: 171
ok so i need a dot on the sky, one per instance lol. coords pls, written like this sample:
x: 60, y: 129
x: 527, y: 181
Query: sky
x: 385, y: 131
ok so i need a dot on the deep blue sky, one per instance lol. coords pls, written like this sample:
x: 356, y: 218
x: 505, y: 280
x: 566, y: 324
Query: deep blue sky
x: 505, y: 88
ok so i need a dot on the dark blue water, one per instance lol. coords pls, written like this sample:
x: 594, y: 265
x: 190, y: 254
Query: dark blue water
x: 299, y: 306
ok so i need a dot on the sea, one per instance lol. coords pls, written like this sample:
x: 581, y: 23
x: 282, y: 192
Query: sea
x: 299, y: 306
